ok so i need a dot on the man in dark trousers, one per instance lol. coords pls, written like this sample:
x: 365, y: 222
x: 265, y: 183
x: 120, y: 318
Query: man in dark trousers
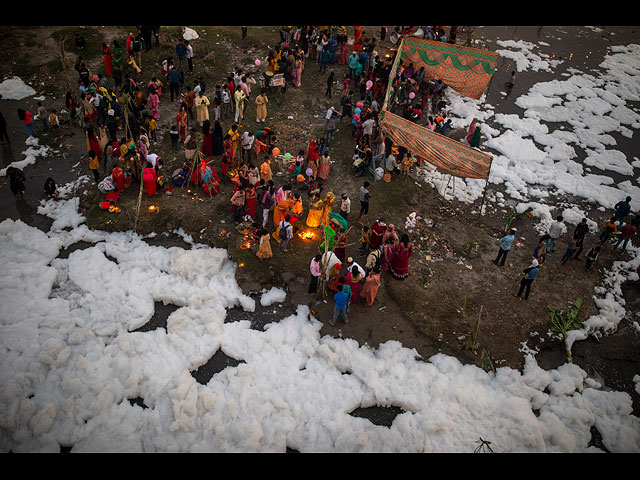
x: 578, y: 235
x: 530, y: 273
x: 173, y: 76
x: 505, y: 246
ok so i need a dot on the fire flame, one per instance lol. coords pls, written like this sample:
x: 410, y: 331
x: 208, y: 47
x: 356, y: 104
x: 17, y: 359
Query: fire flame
x: 307, y: 235
x: 245, y: 245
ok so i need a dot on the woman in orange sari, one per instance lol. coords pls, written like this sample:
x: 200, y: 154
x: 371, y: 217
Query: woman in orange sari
x: 282, y: 209
x: 370, y: 287
x: 314, y: 217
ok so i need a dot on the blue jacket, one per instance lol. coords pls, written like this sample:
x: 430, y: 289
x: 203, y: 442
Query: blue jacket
x: 341, y: 299
x: 506, y: 241
x: 173, y: 76
x: 622, y: 209
x: 533, y: 273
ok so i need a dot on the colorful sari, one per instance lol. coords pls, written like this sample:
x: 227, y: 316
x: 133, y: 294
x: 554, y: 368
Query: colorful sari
x: 400, y: 263
x: 251, y: 203
x: 471, y: 131
x: 354, y: 281
x: 314, y: 217
x: 370, y: 288
x: 150, y: 180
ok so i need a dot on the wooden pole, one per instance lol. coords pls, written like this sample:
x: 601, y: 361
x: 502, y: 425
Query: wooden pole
x: 484, y: 191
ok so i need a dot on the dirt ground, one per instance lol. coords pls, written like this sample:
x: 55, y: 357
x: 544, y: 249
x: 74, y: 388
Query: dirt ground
x: 433, y: 310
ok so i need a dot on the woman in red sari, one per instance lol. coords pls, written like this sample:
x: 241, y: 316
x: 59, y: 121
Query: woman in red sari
x: 251, y: 201
x: 93, y: 143
x: 118, y: 177
x: 106, y: 55
x: 354, y: 278
x: 150, y: 180
x: 400, y: 264
x: 378, y: 229
x: 312, y: 153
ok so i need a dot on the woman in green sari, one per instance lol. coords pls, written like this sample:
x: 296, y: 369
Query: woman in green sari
x: 118, y: 54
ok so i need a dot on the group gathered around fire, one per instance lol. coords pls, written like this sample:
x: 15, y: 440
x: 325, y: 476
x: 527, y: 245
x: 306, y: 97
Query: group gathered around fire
x: 120, y: 116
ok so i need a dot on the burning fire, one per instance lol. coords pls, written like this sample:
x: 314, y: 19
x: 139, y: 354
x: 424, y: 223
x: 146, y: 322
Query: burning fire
x: 308, y: 235
x: 153, y: 208
x: 245, y: 245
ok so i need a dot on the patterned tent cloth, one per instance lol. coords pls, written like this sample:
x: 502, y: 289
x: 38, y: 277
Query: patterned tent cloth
x: 468, y: 71
x: 449, y: 155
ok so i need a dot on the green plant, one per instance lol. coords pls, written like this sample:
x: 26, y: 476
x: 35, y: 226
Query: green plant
x: 562, y: 321
x: 472, y: 337
x: 487, y: 361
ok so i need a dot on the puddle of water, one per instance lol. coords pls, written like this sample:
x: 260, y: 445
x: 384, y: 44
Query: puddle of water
x: 218, y: 362
x: 161, y: 312
x: 378, y: 415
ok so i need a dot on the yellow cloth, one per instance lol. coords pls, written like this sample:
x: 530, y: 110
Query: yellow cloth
x: 265, y: 247
x: 314, y: 217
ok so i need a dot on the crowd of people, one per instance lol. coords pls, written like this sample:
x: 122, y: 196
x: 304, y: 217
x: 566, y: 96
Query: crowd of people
x: 119, y: 114
x: 615, y: 233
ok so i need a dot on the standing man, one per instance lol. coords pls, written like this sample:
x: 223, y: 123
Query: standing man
x: 340, y: 309
x: 505, y: 245
x: 365, y: 196
x: 202, y: 108
x: 189, y: 55
x: 239, y: 97
x: 556, y: 230
x: 315, y: 269
x: 579, y: 235
x: 530, y: 273
x: 571, y: 248
x: 181, y: 52
x: 628, y: 231
x: 345, y: 206
x: 173, y: 76
x: 285, y: 232
x: 330, y: 126
x: 247, y: 145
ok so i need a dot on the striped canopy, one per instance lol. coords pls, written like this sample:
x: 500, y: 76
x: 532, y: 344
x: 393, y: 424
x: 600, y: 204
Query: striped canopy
x: 466, y: 70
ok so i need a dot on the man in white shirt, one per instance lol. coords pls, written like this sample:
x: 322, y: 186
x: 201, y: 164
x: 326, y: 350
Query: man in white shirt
x: 367, y: 129
x: 189, y: 55
x: 247, y: 144
x: 391, y: 165
x: 556, y: 230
